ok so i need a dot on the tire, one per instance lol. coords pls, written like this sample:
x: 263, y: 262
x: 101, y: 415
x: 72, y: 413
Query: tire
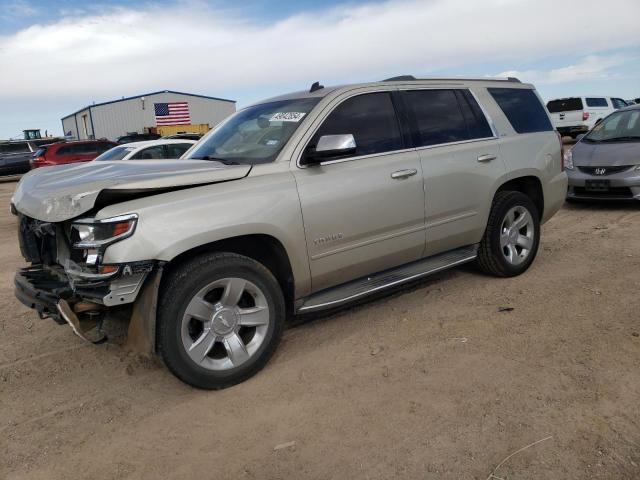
x: 208, y: 339
x: 500, y: 243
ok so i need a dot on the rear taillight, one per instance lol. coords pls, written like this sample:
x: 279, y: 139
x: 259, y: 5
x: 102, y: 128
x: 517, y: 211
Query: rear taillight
x: 585, y: 116
x: 562, y: 166
x: 36, y: 162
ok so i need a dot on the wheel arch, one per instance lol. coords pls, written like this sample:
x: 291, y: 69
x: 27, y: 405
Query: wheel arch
x: 263, y: 248
x: 530, y: 185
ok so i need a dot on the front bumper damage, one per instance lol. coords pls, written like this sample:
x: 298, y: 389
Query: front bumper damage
x: 80, y: 299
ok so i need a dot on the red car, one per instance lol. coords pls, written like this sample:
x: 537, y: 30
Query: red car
x: 69, y: 152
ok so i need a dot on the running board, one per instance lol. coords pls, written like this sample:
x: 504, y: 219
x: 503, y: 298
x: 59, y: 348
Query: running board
x: 350, y: 291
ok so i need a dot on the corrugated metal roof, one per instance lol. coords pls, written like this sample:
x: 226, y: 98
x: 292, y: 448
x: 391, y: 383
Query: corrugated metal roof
x: 147, y: 95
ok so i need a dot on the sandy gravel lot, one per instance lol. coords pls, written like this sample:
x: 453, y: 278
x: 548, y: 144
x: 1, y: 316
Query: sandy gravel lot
x: 432, y: 381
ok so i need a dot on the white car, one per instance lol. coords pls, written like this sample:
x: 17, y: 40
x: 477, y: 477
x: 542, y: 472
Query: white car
x: 577, y: 115
x: 148, y: 150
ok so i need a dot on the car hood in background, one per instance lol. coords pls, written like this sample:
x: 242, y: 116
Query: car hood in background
x: 55, y: 194
x: 606, y: 154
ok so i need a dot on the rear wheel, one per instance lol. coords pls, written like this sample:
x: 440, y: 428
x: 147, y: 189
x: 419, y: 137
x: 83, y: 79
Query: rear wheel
x: 220, y: 320
x: 511, y: 240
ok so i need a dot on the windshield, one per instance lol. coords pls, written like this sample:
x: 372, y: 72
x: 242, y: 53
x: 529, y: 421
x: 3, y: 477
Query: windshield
x: 620, y: 126
x: 116, y: 153
x: 255, y: 134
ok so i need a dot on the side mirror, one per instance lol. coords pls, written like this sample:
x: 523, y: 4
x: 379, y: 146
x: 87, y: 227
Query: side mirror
x: 330, y: 146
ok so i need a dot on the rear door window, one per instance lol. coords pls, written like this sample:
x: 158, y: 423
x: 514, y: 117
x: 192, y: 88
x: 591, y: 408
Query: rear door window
x: 437, y: 115
x: 370, y: 118
x: 564, y: 105
x: 522, y: 108
x: 68, y: 150
x: 596, y: 102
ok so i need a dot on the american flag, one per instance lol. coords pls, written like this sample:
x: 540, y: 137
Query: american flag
x: 172, y: 113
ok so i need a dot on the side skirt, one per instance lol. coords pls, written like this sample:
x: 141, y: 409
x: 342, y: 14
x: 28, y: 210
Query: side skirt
x: 356, y: 289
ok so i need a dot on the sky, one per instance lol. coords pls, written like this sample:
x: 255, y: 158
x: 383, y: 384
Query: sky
x: 57, y: 57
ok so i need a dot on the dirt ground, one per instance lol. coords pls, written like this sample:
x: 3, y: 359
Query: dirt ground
x: 433, y: 381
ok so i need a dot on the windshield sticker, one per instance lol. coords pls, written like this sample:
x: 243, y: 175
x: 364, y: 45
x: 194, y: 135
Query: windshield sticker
x: 287, y: 117
x: 272, y: 142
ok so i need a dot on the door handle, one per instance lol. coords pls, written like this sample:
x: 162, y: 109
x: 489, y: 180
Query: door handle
x: 400, y: 174
x: 487, y: 158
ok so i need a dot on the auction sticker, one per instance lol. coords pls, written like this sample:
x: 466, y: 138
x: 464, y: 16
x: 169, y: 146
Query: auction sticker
x: 287, y: 117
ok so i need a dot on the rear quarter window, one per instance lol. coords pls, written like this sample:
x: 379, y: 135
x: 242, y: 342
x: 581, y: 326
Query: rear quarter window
x: 522, y: 108
x: 596, y: 102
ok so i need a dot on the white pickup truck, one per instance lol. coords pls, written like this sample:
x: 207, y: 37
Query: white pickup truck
x: 577, y: 115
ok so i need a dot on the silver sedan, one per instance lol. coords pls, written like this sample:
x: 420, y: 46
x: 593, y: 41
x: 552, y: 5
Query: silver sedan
x: 605, y: 163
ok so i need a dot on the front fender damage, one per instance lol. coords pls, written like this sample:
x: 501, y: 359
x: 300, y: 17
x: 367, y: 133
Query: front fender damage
x: 141, y: 334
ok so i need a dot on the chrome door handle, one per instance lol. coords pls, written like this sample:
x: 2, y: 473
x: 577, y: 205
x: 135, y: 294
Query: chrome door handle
x: 487, y: 158
x: 400, y: 174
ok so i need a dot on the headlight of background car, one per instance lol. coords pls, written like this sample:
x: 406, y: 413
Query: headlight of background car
x: 568, y: 160
x: 89, y: 233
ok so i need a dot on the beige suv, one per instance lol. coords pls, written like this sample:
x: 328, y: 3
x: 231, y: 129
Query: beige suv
x: 300, y: 203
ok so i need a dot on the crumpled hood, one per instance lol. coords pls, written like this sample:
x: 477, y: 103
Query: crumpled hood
x: 55, y: 194
x: 606, y: 154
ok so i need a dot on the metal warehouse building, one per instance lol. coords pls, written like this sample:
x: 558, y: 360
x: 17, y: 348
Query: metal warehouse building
x: 144, y: 112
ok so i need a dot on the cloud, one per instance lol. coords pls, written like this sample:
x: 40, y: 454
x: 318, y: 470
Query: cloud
x: 592, y: 67
x: 189, y: 45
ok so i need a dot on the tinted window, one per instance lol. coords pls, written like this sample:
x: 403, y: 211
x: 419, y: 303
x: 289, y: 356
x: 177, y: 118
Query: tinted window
x: 150, y: 153
x: 564, y: 105
x: 522, y: 108
x: 18, y: 147
x: 86, y: 148
x: 370, y: 118
x: 477, y: 124
x: 177, y: 149
x: 67, y: 150
x: 618, y: 103
x: 596, y: 102
x: 437, y: 115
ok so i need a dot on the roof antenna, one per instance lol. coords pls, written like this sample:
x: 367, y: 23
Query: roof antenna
x: 315, y: 86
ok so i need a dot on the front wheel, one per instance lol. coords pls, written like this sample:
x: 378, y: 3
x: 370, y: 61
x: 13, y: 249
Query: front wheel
x: 511, y: 240
x: 220, y: 320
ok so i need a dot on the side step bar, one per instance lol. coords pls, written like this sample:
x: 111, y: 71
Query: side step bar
x: 342, y: 294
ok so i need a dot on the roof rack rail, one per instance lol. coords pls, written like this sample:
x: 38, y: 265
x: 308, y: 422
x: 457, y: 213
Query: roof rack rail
x: 400, y: 78
x: 405, y: 78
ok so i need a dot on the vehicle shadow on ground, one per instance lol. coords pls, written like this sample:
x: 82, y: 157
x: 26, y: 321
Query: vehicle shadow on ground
x: 609, y: 205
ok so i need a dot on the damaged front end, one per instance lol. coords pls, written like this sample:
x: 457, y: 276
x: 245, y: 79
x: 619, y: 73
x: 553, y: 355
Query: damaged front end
x: 67, y: 280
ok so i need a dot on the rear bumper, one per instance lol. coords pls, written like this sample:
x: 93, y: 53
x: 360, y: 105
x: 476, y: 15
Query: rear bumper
x: 554, y: 195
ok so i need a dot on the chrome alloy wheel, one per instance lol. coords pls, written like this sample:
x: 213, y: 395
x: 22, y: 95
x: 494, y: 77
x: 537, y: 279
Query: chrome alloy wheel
x: 225, y: 323
x: 517, y: 235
